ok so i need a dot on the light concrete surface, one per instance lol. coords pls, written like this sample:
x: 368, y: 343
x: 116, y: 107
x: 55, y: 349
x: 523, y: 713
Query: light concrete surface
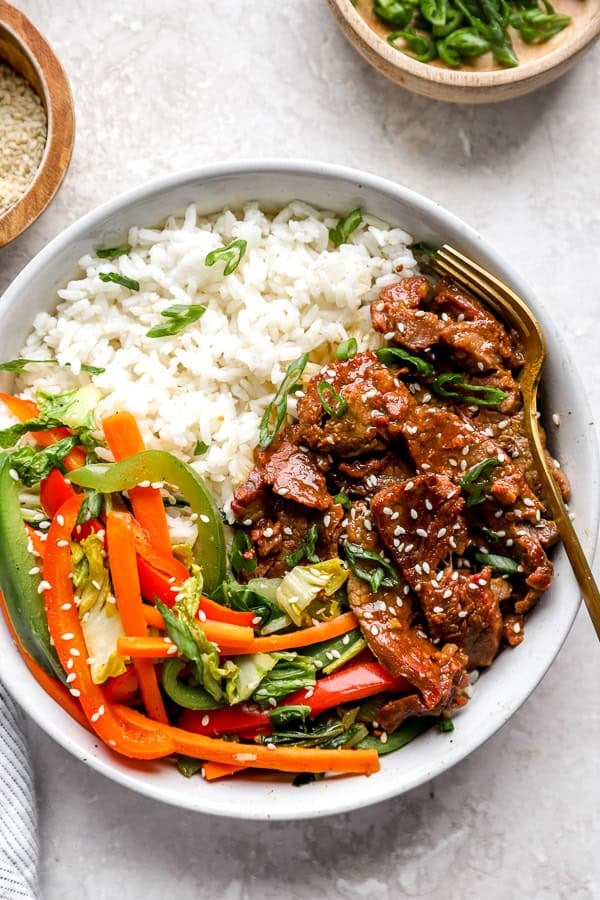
x: 165, y: 86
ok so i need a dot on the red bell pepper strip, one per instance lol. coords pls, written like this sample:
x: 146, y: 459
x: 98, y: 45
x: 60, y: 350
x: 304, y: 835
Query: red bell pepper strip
x: 353, y: 683
x: 155, y: 584
x: 56, y: 490
x: 124, y: 439
x: 123, y: 570
x: 123, y: 688
x: 65, y: 629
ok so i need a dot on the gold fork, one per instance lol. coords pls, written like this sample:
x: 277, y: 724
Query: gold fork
x: 512, y: 309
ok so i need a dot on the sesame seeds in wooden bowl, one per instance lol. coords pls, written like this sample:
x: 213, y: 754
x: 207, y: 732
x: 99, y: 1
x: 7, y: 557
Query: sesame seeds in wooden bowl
x: 36, y: 123
x: 479, y: 80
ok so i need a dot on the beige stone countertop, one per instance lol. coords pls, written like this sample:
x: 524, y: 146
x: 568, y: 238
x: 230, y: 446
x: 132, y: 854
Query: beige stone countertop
x: 161, y: 87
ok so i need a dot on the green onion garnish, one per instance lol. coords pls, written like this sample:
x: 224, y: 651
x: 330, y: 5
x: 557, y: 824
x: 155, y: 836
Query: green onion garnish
x: 345, y: 227
x: 394, y: 356
x: 240, y: 546
x: 306, y: 550
x: 231, y: 255
x: 278, y: 405
x: 19, y: 365
x: 504, y: 565
x: 476, y: 481
x: 379, y: 573
x: 453, y: 386
x: 179, y: 317
x: 343, y: 499
x: 113, y: 252
x: 347, y: 349
x: 130, y: 283
x: 200, y: 448
x: 333, y: 404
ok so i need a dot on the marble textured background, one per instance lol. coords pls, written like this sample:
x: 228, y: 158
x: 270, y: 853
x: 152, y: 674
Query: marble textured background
x: 164, y: 86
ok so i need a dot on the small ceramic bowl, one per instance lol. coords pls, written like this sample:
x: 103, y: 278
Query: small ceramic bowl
x: 27, y: 52
x: 501, y: 690
x: 477, y: 82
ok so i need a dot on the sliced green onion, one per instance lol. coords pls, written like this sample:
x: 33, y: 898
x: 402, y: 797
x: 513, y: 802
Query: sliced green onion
x: 476, y: 481
x: 200, y: 448
x: 343, y: 499
x: 240, y: 545
x: 19, y: 365
x: 445, y: 725
x: 231, y: 255
x: 306, y: 550
x: 116, y: 278
x: 379, y: 572
x: 422, y: 48
x: 504, y: 565
x: 113, y: 252
x: 278, y: 405
x: 179, y: 317
x: 347, y: 349
x: 338, y: 407
x: 345, y: 227
x: 394, y: 356
x: 453, y: 386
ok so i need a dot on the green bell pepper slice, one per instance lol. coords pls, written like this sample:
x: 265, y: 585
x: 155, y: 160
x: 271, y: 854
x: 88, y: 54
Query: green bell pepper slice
x: 183, y: 694
x: 20, y: 588
x: 158, y: 465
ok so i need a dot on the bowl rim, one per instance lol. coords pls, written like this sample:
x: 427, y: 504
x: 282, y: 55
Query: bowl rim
x: 60, y: 135
x: 29, y: 694
x: 373, y: 46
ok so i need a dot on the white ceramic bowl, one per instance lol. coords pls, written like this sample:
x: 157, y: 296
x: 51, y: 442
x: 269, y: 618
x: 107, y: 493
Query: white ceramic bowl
x: 502, y: 689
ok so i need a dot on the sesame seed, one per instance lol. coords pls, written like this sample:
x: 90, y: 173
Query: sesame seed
x: 498, y: 514
x: 556, y: 419
x: 426, y: 568
x: 428, y: 504
x: 442, y: 532
x: 516, y: 628
x: 202, y: 615
x: 74, y: 692
x: 44, y: 525
x: 414, y: 514
x: 453, y: 463
x: 245, y: 757
x: 421, y: 532
x: 204, y: 518
x: 383, y: 737
x: 205, y: 720
x: 452, y: 542
x: 368, y: 525
x: 374, y: 630
x: 462, y: 614
x: 60, y: 520
x: 44, y: 586
x: 528, y: 501
x: 35, y: 570
x: 68, y: 636
x: 172, y: 650
x: 13, y: 474
x: 283, y: 491
x: 268, y: 532
x: 144, y: 484
x: 438, y: 609
x: 409, y: 547
x: 447, y: 594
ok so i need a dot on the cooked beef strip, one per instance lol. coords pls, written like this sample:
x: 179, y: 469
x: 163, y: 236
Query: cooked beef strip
x: 361, y: 476
x: 377, y: 402
x: 389, y: 619
x: 421, y: 523
x: 397, y: 313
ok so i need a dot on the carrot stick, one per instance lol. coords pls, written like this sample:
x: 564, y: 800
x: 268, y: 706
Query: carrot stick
x: 65, y: 630
x: 124, y: 439
x: 123, y: 569
x: 146, y: 647
x: 212, y: 770
x: 324, y: 631
x: 256, y: 756
x: 51, y: 685
x: 237, y: 637
x: 38, y: 545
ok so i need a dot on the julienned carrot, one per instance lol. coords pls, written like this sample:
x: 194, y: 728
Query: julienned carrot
x: 124, y: 439
x: 120, y: 540
x: 314, y: 634
x: 65, y: 630
x: 164, y: 563
x: 146, y: 647
x: 256, y: 756
x: 38, y: 546
x: 237, y: 637
x: 212, y: 770
x: 51, y: 685
x: 27, y: 409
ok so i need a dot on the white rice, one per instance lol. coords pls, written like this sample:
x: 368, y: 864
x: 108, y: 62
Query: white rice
x: 292, y: 293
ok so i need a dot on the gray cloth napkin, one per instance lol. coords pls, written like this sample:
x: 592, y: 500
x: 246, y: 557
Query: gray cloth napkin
x: 19, y: 847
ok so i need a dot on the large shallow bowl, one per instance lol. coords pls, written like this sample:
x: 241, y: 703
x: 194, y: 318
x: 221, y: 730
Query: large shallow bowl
x: 514, y: 674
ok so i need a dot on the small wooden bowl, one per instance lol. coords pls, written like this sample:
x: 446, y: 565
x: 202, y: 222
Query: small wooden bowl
x: 479, y: 82
x: 23, y: 47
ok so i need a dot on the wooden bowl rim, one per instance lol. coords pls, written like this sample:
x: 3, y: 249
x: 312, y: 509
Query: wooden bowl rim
x: 58, y: 102
x: 436, y: 75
